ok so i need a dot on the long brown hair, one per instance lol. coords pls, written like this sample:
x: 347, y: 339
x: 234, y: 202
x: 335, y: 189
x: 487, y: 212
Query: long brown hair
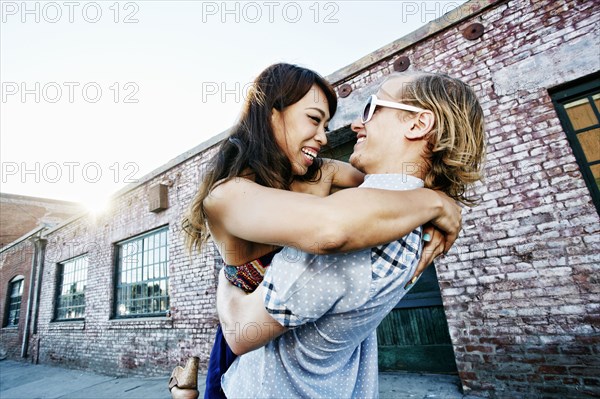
x: 251, y: 147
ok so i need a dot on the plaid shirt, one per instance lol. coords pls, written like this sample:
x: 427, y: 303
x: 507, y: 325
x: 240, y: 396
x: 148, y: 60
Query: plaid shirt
x: 334, y: 303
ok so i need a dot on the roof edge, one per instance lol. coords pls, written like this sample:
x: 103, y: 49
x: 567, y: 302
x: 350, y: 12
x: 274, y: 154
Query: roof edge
x: 11, y: 196
x: 181, y: 158
x: 23, y: 238
x: 451, y: 18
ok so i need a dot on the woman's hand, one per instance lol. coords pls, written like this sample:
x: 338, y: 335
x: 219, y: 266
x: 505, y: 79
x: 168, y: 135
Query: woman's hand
x: 435, y: 242
x: 439, y: 235
x: 449, y: 220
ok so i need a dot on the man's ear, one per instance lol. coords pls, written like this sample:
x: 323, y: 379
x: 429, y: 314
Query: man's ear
x: 421, y: 125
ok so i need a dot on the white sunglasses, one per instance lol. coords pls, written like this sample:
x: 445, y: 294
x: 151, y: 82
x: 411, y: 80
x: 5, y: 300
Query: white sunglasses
x: 373, y: 102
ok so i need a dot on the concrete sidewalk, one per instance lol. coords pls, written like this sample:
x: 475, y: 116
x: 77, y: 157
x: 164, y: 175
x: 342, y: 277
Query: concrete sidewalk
x: 20, y: 380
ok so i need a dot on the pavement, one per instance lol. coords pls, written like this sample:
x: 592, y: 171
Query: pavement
x: 21, y: 380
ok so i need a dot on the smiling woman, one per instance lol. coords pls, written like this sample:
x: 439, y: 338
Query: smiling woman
x: 285, y: 113
x: 275, y: 144
x: 300, y: 129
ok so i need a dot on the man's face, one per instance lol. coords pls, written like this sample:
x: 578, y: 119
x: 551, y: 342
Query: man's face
x: 381, y: 142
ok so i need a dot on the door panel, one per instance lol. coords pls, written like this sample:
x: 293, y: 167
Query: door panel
x: 414, y: 336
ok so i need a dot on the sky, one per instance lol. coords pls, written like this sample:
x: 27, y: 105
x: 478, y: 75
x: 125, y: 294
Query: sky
x: 97, y: 94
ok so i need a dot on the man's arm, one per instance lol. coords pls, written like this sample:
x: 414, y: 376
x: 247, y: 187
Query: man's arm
x: 245, y: 322
x: 345, y: 221
x: 341, y: 174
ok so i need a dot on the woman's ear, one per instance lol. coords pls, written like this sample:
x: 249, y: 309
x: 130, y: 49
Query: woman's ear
x: 276, y: 119
x: 274, y: 115
x: 421, y: 124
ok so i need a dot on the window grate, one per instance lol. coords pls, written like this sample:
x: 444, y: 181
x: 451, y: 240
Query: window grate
x: 14, y: 303
x: 578, y: 108
x: 142, y: 276
x: 70, y: 301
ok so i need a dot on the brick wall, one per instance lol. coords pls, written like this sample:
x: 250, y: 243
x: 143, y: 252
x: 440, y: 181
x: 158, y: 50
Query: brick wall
x: 142, y: 346
x: 20, y: 214
x: 15, y: 261
x: 519, y: 287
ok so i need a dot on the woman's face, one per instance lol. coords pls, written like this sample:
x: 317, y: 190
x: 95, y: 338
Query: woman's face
x: 300, y: 129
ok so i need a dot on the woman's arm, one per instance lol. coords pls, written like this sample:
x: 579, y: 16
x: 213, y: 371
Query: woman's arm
x: 347, y: 220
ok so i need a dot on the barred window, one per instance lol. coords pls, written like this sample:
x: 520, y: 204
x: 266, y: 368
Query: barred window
x: 578, y: 108
x: 142, y: 275
x: 15, y: 290
x: 70, y: 301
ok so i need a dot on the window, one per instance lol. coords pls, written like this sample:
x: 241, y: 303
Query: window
x: 70, y: 302
x: 142, y: 276
x: 578, y: 108
x: 15, y: 290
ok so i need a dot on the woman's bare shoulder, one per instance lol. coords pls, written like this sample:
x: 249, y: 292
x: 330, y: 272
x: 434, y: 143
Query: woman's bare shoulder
x: 226, y: 190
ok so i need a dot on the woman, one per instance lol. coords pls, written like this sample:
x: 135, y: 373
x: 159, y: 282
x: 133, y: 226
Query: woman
x: 275, y: 146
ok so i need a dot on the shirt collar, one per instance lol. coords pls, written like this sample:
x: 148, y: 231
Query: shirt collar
x: 392, y: 181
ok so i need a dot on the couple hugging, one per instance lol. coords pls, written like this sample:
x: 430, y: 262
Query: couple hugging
x: 318, y: 251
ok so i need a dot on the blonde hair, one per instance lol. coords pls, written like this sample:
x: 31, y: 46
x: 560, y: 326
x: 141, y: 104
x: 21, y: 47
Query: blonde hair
x: 456, y: 144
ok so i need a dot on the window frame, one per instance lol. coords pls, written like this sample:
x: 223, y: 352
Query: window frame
x: 60, y: 268
x: 565, y: 94
x: 17, y: 279
x: 118, y: 246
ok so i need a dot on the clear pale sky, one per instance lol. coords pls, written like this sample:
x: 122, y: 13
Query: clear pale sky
x: 97, y: 94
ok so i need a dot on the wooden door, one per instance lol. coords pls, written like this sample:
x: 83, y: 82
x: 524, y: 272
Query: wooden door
x: 414, y: 336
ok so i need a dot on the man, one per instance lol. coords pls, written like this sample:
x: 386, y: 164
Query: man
x: 320, y: 312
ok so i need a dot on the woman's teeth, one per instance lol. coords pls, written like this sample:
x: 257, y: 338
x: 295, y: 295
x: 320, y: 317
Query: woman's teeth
x: 361, y: 139
x: 311, y: 153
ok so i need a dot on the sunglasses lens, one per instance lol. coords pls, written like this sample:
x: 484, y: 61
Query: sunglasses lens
x: 367, y: 111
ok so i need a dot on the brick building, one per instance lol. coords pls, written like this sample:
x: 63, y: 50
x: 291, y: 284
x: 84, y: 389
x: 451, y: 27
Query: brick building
x: 518, y: 307
x: 20, y: 214
x: 22, y: 221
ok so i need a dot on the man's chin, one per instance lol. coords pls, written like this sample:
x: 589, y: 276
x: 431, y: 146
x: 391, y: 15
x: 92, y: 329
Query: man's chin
x: 355, y: 162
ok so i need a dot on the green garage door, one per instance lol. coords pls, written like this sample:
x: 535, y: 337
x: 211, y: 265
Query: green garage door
x: 414, y: 336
